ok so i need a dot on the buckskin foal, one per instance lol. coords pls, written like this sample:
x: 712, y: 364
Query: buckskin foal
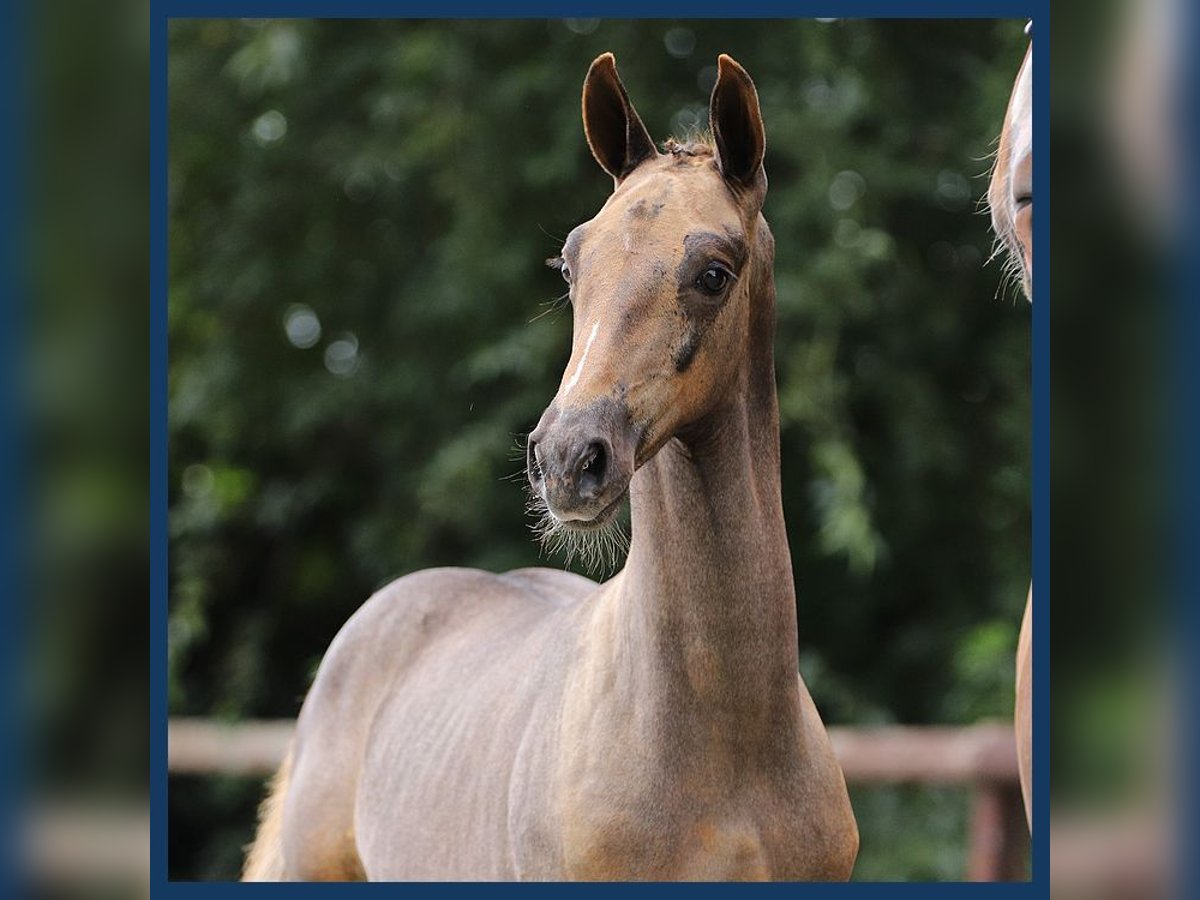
x: 535, y: 725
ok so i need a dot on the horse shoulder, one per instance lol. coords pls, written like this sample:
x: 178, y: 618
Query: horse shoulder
x: 826, y: 846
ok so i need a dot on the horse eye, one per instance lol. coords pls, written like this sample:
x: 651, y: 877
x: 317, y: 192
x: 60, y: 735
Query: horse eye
x: 713, y: 280
x: 1024, y: 200
x: 566, y: 273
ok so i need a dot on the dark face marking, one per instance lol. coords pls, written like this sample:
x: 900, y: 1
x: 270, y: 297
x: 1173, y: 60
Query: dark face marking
x: 686, y: 352
x: 699, y: 309
x: 704, y: 247
x: 644, y: 209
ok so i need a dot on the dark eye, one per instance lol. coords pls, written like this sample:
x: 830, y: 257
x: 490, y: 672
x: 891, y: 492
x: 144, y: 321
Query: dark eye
x: 566, y: 273
x: 1024, y: 200
x: 713, y: 280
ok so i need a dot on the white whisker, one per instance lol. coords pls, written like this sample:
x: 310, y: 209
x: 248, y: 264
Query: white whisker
x: 599, y: 550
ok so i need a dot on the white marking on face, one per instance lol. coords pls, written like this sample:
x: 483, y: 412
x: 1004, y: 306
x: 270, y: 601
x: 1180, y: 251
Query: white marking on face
x: 579, y: 368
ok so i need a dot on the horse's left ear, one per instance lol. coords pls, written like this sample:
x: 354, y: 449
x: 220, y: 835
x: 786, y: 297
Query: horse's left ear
x: 736, y: 123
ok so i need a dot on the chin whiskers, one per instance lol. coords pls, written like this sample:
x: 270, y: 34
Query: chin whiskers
x: 600, y: 551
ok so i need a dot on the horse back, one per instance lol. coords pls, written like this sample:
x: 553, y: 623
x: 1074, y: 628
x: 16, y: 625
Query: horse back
x: 406, y: 686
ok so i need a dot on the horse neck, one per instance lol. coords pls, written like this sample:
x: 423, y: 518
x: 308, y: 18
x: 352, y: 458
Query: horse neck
x: 707, y: 591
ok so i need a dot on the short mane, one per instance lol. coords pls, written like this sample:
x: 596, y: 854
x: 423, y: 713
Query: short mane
x: 698, y: 144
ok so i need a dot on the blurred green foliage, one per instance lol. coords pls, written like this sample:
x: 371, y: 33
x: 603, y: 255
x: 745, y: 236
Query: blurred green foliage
x: 81, y: 376
x: 359, y: 214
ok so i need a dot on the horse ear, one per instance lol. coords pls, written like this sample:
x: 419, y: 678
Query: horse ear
x: 736, y: 123
x: 615, y: 134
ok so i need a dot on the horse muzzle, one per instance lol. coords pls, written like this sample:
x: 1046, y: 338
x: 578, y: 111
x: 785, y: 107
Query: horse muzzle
x: 580, y: 462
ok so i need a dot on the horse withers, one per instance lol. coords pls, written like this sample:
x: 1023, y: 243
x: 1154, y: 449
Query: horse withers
x: 536, y: 725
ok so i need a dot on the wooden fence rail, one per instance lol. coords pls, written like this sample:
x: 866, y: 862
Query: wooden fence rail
x: 1116, y: 855
x: 981, y: 758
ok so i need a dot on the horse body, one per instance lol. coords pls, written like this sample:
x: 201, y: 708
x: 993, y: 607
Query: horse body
x: 1023, y: 708
x: 409, y: 744
x: 525, y: 737
x: 1010, y: 197
x: 537, y: 726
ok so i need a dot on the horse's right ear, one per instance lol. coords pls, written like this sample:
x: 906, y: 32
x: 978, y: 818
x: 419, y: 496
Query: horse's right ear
x: 737, y: 125
x: 615, y: 134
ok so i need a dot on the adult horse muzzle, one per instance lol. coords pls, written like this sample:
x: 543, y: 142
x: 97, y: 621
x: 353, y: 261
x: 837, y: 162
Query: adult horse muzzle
x: 580, y: 461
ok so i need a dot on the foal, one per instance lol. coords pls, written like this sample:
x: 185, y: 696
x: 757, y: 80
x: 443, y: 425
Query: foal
x: 535, y: 725
x: 1010, y: 196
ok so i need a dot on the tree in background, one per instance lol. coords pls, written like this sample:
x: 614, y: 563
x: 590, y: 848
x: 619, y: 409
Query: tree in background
x: 362, y: 328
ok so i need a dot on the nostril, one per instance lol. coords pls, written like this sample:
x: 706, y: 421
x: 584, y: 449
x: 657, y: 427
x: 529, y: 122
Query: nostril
x: 533, y: 465
x: 593, y: 465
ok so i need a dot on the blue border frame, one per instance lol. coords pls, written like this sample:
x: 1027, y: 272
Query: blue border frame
x: 161, y: 11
